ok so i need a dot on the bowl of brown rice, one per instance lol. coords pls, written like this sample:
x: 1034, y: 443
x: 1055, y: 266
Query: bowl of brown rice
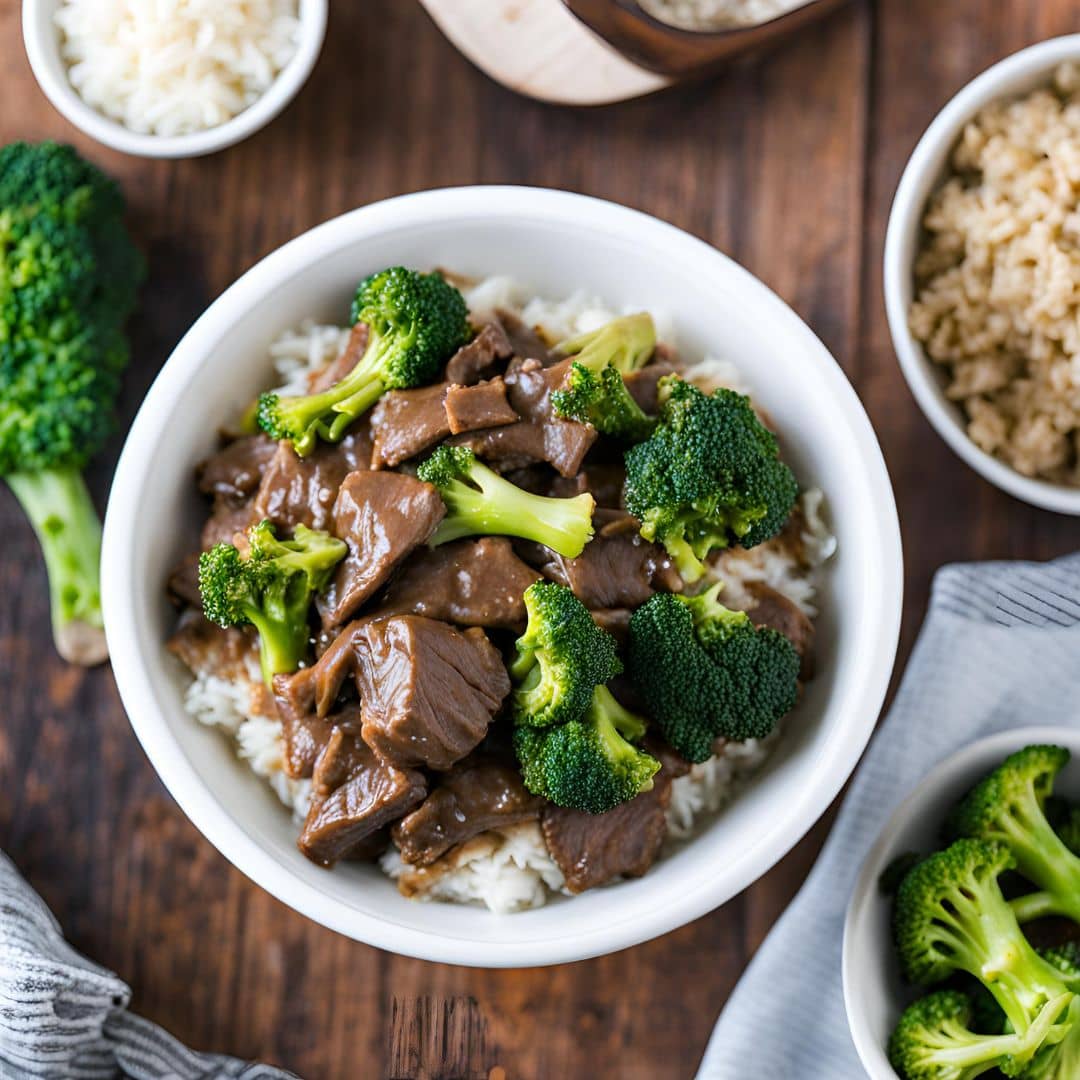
x: 982, y: 274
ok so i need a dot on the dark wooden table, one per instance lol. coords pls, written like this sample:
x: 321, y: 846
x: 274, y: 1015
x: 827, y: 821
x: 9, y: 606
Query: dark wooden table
x: 788, y: 163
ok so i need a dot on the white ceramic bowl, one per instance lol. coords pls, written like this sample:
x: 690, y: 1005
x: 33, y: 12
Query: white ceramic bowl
x: 874, y: 993
x: 1016, y: 75
x: 42, y: 40
x: 557, y: 242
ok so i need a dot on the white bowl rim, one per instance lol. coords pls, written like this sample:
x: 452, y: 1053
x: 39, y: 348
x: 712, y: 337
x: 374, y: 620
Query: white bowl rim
x: 871, y: 1052
x: 906, y: 212
x: 313, y: 15
x: 200, y: 804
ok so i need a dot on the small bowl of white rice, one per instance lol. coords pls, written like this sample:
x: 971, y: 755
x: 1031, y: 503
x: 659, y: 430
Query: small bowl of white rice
x: 172, y: 78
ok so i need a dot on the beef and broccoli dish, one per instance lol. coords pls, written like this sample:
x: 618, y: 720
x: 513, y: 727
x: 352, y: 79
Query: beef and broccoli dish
x: 498, y: 592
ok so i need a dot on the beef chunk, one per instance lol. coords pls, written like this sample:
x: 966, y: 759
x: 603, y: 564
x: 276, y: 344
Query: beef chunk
x: 642, y: 385
x: 477, y: 794
x: 472, y: 582
x: 304, y: 731
x: 407, y: 422
x: 540, y: 435
x: 616, y: 621
x: 617, y: 569
x: 383, y: 517
x: 353, y: 796
x: 429, y: 691
x: 603, y: 481
x: 592, y: 849
x: 470, y: 408
x: 203, y: 647
x: 772, y: 608
x: 183, y: 583
x: 343, y: 363
x: 524, y: 341
x: 480, y: 358
x: 234, y: 472
x: 301, y: 490
x: 226, y: 521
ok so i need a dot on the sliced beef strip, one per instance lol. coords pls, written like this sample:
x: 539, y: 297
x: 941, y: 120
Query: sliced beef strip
x: 428, y: 690
x: 643, y: 383
x: 480, y: 358
x: 603, y: 481
x: 183, y: 583
x: 540, y: 435
x: 617, y: 569
x: 524, y: 341
x: 772, y: 608
x: 301, y: 490
x: 592, y: 849
x: 354, y: 796
x: 234, y: 472
x: 304, y: 733
x: 406, y: 422
x: 471, y: 408
x: 470, y: 582
x: 616, y: 621
x: 226, y: 521
x: 203, y: 647
x: 476, y: 795
x: 383, y: 517
x: 343, y: 363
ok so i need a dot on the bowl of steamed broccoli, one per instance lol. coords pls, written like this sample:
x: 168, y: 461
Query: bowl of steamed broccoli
x: 558, y: 243
x: 962, y: 941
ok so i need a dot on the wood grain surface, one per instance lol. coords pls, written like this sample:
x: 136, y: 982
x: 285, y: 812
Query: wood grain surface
x: 788, y: 163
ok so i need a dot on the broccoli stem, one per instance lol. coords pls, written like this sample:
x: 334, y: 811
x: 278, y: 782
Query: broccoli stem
x: 1036, y: 905
x: 69, y: 530
x: 283, y: 639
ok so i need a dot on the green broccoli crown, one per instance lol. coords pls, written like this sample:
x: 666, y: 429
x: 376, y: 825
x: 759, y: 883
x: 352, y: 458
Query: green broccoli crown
x: 561, y: 658
x: 415, y: 323
x: 705, y: 672
x: 589, y: 764
x: 709, y: 476
x: 603, y: 401
x: 270, y: 588
x: 479, y: 502
x: 1009, y: 806
x: 950, y: 916
x: 69, y: 274
x: 626, y: 344
x: 933, y: 1040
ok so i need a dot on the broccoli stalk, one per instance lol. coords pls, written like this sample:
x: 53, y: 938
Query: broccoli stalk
x: 709, y: 476
x: 934, y: 1041
x: 950, y: 916
x: 69, y: 275
x: 1008, y: 806
x: 589, y: 764
x: 270, y: 588
x: 705, y: 672
x: 626, y: 344
x: 69, y: 530
x: 603, y: 401
x: 479, y: 502
x: 415, y: 322
x: 561, y: 658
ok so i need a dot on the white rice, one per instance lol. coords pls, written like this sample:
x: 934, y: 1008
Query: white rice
x: 171, y: 67
x: 512, y: 870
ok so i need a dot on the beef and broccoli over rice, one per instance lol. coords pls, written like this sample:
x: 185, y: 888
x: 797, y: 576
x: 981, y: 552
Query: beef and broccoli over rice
x: 499, y: 592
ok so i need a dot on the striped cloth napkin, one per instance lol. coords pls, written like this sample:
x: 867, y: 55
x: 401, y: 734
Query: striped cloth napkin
x: 1000, y: 649
x: 65, y: 1018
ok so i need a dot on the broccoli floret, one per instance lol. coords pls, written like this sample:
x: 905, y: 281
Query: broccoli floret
x: 626, y: 344
x: 69, y: 275
x: 603, y: 401
x: 479, y: 502
x: 415, y: 322
x: 561, y: 658
x: 950, y: 916
x: 709, y: 476
x: 271, y: 588
x: 589, y: 764
x: 934, y: 1041
x: 1008, y: 806
x: 1060, y: 1060
x: 704, y: 671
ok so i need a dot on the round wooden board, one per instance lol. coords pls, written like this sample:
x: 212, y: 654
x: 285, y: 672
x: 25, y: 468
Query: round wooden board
x: 539, y: 49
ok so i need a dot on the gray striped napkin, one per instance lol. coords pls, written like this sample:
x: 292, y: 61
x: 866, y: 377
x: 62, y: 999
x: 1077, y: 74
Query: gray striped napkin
x: 65, y: 1018
x: 999, y: 649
